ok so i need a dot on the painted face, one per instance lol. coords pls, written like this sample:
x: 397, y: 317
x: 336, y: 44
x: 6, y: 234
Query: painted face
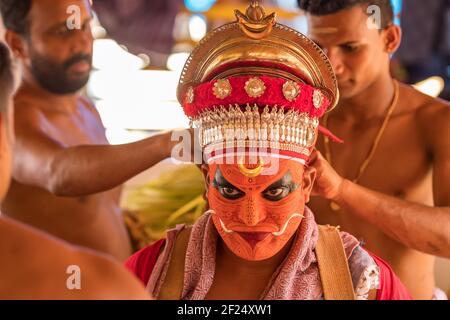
x: 256, y: 213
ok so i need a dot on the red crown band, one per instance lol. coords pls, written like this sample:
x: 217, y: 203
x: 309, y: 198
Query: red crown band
x: 268, y: 90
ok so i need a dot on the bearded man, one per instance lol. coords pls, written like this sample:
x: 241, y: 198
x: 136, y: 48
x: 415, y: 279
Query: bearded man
x: 64, y: 167
x: 36, y: 265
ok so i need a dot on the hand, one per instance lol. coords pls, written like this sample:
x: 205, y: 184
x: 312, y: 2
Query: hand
x: 328, y: 182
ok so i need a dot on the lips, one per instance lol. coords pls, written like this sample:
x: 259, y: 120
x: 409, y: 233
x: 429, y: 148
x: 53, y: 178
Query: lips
x: 253, y: 237
x: 80, y: 67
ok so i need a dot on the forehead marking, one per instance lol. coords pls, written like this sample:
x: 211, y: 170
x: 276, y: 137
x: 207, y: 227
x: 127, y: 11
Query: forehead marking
x: 318, y: 31
x: 248, y: 172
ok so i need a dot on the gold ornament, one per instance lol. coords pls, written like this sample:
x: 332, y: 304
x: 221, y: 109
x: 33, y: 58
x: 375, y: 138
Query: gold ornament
x: 190, y: 95
x: 255, y: 87
x: 317, y: 99
x: 259, y: 38
x: 222, y: 89
x: 291, y: 90
x: 274, y: 128
x: 254, y: 23
x: 251, y: 173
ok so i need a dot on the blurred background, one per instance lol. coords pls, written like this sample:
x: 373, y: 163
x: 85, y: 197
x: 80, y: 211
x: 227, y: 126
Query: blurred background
x: 142, y: 45
x: 140, y: 49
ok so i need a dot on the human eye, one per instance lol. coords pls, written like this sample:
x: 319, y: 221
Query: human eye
x: 230, y: 193
x: 60, y: 31
x: 350, y: 48
x: 276, y: 194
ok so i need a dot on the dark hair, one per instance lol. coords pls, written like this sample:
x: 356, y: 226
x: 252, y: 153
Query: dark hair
x: 6, y: 77
x: 323, y: 7
x: 15, y: 14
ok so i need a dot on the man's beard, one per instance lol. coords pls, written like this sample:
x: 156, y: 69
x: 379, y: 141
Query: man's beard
x: 55, y: 78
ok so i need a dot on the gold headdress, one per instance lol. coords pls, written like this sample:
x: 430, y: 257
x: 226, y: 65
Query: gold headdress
x: 257, y: 83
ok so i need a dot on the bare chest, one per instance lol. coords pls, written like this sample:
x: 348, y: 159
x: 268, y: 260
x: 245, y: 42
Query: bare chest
x: 400, y: 167
x: 400, y: 164
x: 81, y: 127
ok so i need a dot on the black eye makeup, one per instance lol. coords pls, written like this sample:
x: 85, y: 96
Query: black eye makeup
x: 275, y: 192
x: 226, y: 189
x: 280, y: 189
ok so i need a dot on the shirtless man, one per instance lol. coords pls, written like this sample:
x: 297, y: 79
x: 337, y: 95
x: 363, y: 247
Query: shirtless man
x: 66, y: 176
x: 34, y: 265
x: 400, y: 204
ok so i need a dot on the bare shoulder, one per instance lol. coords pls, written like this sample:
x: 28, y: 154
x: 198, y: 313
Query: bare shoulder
x: 431, y: 115
x: 27, y: 109
x: 108, y: 279
x: 30, y: 119
x: 433, y: 111
x: 89, y: 106
x: 41, y: 266
x: 418, y: 101
x: 433, y: 119
x: 89, y: 109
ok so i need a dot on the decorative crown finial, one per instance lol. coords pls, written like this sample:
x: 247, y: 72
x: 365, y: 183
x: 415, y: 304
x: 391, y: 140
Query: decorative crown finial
x: 254, y: 23
x: 255, y: 11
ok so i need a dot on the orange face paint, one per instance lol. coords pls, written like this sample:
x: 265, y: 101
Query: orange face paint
x: 256, y: 215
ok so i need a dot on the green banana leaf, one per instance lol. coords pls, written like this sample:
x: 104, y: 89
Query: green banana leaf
x: 175, y: 197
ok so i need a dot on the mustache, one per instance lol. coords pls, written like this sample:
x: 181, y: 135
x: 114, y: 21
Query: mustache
x: 80, y: 57
x: 275, y: 233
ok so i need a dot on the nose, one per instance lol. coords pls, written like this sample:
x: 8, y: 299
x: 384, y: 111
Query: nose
x: 252, y: 212
x: 336, y: 61
x: 82, y: 41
